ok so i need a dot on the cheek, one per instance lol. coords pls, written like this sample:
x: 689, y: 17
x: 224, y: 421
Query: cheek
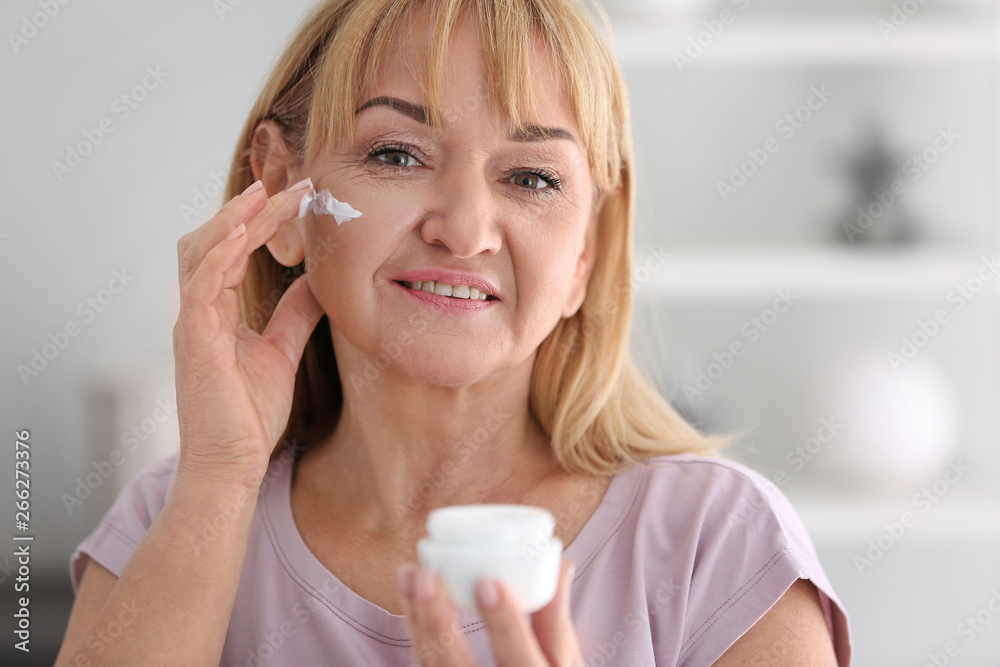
x: 544, y: 265
x: 345, y: 259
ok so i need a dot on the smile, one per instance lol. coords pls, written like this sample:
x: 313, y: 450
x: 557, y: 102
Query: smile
x: 429, y: 295
x: 444, y: 289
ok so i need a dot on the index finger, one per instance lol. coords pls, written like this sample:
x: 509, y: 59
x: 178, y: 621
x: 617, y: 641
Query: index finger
x: 262, y: 216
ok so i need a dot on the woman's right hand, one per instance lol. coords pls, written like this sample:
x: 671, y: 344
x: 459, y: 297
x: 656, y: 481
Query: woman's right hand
x: 234, y: 386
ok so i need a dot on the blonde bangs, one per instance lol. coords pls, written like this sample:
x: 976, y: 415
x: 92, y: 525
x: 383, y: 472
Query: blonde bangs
x: 506, y: 32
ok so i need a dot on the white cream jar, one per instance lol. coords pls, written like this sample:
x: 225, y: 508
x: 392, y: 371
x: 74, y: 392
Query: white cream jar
x: 511, y: 543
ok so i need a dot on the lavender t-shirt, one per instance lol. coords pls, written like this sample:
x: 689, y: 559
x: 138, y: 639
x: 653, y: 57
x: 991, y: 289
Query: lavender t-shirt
x: 682, y: 556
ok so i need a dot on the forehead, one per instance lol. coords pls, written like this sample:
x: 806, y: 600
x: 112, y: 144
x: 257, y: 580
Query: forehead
x: 465, y: 81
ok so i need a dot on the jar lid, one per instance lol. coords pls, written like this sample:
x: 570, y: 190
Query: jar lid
x: 490, y: 524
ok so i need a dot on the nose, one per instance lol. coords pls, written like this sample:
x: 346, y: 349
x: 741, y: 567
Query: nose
x: 464, y: 220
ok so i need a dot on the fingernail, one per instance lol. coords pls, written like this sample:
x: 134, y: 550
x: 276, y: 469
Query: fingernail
x: 304, y: 183
x: 405, y: 575
x: 238, y: 232
x: 425, y: 585
x: 254, y: 187
x: 489, y: 594
x: 570, y: 572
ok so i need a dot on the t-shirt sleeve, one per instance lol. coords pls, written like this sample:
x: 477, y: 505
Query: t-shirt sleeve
x: 118, y: 534
x: 749, y: 545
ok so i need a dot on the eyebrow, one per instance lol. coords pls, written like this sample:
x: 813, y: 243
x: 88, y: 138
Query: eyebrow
x: 419, y: 113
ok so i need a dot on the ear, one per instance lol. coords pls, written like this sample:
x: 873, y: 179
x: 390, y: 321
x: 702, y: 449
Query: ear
x: 272, y: 163
x: 584, y: 264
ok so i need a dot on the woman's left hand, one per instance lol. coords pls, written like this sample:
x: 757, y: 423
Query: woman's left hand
x: 437, y: 640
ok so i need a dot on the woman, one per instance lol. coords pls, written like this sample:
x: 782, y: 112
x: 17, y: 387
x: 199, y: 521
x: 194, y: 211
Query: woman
x: 322, y: 416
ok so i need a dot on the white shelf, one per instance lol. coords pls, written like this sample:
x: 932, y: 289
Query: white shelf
x: 842, y: 522
x: 749, y: 42
x: 812, y: 273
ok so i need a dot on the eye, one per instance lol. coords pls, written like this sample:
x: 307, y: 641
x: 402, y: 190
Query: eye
x: 393, y: 156
x: 532, y: 181
x: 536, y: 180
x: 396, y: 158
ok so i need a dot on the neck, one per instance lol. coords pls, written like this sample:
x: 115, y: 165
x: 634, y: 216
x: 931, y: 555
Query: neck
x: 402, y: 448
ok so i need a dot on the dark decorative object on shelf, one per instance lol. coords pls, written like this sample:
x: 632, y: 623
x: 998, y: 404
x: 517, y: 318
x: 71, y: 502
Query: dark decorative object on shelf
x: 878, y: 212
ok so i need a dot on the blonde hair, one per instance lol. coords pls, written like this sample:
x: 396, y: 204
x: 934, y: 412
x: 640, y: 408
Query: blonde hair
x: 600, y: 413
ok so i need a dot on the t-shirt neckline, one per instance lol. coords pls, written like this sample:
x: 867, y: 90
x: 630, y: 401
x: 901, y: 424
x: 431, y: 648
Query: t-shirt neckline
x: 374, y: 621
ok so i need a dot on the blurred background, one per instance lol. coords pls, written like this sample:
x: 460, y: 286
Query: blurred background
x: 816, y: 269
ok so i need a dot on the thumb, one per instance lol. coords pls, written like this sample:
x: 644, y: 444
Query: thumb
x: 293, y: 320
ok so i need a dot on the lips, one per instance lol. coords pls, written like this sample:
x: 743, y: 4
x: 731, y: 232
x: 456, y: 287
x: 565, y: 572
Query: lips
x: 482, y: 283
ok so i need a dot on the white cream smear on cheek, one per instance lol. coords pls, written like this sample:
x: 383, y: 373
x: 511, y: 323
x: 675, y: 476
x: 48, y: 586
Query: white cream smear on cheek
x: 324, y: 203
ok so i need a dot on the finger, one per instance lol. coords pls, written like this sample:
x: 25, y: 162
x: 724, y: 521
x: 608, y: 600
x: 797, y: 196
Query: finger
x: 514, y: 645
x: 294, y: 319
x: 262, y: 216
x: 437, y: 637
x: 405, y: 574
x: 553, y: 624
x: 199, y: 295
x: 238, y: 271
x: 194, y: 246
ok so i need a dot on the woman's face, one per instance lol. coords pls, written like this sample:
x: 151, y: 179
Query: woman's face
x: 513, y: 212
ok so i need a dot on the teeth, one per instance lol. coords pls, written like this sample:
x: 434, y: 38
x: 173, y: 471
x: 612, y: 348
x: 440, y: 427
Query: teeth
x: 444, y: 289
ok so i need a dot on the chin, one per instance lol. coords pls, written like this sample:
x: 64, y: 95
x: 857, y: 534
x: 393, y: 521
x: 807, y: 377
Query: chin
x: 446, y: 368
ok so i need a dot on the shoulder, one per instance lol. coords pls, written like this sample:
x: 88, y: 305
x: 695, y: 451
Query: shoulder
x: 718, y: 493
x: 732, y: 542
x: 719, y: 509
x: 122, y: 527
